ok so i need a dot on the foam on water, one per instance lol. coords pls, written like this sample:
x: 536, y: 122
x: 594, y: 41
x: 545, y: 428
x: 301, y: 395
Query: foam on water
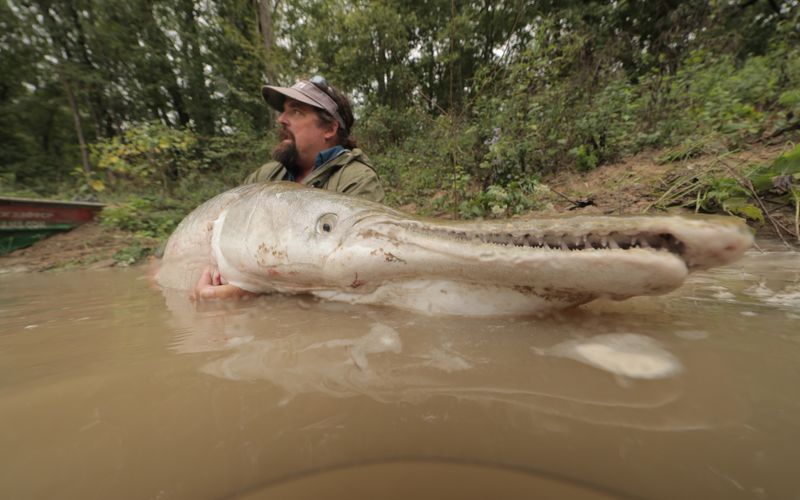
x: 789, y: 297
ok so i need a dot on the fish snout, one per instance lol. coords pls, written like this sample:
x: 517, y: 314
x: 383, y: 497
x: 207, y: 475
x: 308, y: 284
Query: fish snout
x: 718, y: 245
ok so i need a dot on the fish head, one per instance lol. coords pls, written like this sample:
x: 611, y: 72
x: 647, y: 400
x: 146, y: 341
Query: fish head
x: 293, y: 239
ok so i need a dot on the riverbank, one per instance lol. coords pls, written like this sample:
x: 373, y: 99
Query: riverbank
x: 90, y: 246
x: 644, y: 183
x: 638, y: 184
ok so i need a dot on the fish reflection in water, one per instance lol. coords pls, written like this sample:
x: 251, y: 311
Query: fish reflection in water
x: 602, y: 376
x: 610, y: 379
x: 625, y: 354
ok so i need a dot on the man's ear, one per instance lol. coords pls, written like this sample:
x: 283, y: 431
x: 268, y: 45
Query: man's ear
x: 331, y: 131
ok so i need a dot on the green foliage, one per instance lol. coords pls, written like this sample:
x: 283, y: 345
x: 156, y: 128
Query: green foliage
x: 428, y: 163
x: 8, y: 187
x: 132, y: 254
x: 689, y: 148
x: 500, y: 201
x: 777, y: 181
x: 144, y: 216
x: 146, y: 155
x: 729, y: 195
x: 585, y: 158
x: 790, y: 99
x: 780, y: 174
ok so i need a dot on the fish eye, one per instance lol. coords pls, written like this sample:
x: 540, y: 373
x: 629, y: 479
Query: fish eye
x: 326, y: 223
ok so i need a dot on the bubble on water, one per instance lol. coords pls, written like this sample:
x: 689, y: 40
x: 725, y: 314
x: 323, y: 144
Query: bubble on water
x: 692, y: 334
x: 724, y: 295
x: 237, y: 341
x: 624, y: 354
x: 761, y: 291
x: 381, y: 338
x: 486, y: 256
x: 446, y: 361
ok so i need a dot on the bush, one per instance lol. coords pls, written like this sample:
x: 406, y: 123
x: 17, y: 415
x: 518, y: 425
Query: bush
x: 144, y: 216
x: 145, y: 156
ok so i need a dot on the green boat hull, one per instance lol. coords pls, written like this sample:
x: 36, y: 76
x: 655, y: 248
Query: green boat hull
x: 13, y: 239
x: 24, y: 221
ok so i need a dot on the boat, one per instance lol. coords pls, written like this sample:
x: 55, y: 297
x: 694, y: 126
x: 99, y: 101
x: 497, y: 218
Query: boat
x: 24, y: 221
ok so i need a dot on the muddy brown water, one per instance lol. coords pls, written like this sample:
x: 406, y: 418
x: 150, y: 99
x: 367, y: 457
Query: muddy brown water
x: 109, y: 389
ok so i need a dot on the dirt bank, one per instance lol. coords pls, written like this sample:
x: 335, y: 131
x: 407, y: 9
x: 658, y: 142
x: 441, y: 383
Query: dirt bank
x: 89, y: 246
x: 638, y: 184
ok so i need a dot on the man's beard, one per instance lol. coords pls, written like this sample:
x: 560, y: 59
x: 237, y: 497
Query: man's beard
x: 286, y: 153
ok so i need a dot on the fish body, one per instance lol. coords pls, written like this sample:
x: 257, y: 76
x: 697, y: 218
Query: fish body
x: 282, y: 237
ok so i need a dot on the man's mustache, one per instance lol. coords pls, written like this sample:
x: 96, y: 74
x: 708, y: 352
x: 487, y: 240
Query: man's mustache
x: 284, y: 134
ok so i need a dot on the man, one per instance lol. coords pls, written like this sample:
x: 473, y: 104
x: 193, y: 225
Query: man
x: 315, y: 149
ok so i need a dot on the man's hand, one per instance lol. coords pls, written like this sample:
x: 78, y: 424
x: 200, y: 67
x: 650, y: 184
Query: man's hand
x: 210, y: 287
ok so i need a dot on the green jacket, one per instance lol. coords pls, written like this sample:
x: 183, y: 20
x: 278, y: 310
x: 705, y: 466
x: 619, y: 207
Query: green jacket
x: 348, y: 173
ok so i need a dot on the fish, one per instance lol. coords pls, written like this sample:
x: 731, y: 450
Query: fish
x: 281, y: 237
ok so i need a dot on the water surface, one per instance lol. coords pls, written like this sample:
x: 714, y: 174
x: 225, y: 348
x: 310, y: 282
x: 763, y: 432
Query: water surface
x: 109, y: 389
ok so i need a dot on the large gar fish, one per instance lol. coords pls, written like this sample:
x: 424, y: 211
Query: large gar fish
x: 280, y: 237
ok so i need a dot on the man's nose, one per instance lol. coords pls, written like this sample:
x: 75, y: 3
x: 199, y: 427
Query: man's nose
x: 283, y: 119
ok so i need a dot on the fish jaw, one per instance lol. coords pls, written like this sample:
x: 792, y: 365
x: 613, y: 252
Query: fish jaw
x: 384, y: 255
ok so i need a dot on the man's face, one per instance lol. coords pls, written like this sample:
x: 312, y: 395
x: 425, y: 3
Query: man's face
x: 302, y: 136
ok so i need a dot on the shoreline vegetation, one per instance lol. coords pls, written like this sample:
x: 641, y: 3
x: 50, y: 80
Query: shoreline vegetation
x: 466, y: 109
x: 642, y: 184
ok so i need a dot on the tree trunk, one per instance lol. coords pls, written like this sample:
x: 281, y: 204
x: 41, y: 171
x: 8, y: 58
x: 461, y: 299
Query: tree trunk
x: 266, y: 9
x: 94, y: 101
x: 73, y: 106
x: 201, y: 105
x: 162, y: 74
x: 452, y: 90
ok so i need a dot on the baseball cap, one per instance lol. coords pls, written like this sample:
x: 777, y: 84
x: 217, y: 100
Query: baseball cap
x: 306, y: 92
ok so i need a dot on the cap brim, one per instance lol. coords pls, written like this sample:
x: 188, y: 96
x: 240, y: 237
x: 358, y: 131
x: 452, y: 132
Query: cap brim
x: 276, y: 96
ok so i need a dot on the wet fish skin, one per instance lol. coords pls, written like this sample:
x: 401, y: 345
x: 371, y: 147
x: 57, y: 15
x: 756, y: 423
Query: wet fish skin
x: 282, y: 237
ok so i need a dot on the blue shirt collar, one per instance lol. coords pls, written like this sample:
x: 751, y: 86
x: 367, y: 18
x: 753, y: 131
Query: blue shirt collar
x: 327, y: 155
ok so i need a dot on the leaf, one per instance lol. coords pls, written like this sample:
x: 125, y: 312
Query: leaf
x: 742, y: 206
x: 97, y: 185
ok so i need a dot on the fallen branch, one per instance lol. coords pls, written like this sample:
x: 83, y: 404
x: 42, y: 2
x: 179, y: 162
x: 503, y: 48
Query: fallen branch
x: 788, y: 128
x: 744, y: 181
x: 796, y: 196
x: 576, y: 204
